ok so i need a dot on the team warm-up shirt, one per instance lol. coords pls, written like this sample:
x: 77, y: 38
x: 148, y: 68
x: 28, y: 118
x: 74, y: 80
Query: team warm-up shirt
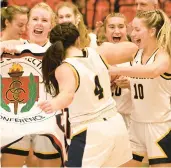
x: 151, y: 96
x: 21, y: 89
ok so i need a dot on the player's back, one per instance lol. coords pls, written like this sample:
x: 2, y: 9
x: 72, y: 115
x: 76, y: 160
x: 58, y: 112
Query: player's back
x: 93, y: 95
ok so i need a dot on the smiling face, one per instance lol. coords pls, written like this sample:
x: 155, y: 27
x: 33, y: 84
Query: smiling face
x: 116, y: 29
x: 17, y: 27
x: 39, y: 24
x: 66, y: 14
x: 140, y: 33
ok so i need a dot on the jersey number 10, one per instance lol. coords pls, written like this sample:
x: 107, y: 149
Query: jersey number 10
x: 139, y: 93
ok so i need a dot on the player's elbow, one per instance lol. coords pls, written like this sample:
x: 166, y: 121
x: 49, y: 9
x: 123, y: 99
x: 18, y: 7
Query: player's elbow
x: 157, y: 71
x: 70, y: 97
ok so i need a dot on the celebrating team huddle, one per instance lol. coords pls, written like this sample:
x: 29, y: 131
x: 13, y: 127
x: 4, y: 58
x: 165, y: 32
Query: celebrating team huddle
x: 72, y: 102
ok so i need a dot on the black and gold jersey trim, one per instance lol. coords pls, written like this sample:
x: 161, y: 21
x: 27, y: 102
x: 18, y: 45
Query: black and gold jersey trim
x: 138, y: 157
x: 42, y: 45
x: 79, y: 132
x: 76, y: 150
x: 19, y: 152
x: 77, y: 76
x: 136, y: 54
x: 104, y: 61
x: 57, y: 145
x: 24, y: 53
x: 163, y: 144
x: 6, y: 146
x: 154, y: 53
x: 159, y: 161
x: 166, y: 76
x: 131, y: 62
x: 10, y: 150
x: 47, y: 156
x: 85, y: 54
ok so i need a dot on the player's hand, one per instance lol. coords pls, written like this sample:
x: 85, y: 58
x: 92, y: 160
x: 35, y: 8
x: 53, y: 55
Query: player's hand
x: 9, y: 46
x: 46, y: 106
x: 123, y: 82
x: 78, y: 19
x: 99, y: 24
x: 113, y: 79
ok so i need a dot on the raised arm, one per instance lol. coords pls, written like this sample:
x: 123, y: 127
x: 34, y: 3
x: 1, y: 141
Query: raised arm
x: 117, y: 53
x: 158, y: 67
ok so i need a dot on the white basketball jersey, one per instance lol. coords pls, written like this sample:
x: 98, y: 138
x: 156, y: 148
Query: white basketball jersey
x: 151, y: 96
x: 45, y: 46
x: 93, y: 95
x: 123, y: 96
x: 93, y: 40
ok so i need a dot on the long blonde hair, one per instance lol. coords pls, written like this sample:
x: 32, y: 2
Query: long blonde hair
x: 84, y: 37
x: 159, y: 20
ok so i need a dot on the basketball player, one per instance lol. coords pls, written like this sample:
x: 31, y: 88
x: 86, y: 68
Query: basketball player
x: 41, y: 21
x: 151, y: 89
x: 13, y: 22
x: 68, y: 12
x: 78, y: 79
x: 115, y: 32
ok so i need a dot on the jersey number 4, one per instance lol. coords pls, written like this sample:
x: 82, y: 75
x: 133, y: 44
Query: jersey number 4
x: 98, y: 91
